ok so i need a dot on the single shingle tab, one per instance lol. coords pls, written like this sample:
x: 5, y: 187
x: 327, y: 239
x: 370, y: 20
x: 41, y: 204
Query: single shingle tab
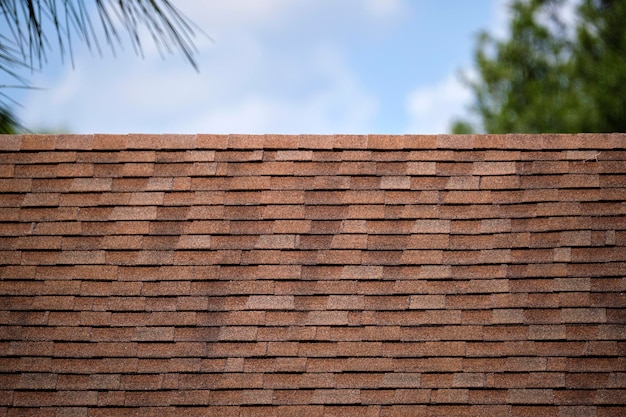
x: 350, y: 142
x: 37, y: 143
x: 109, y: 142
x: 281, y: 141
x: 523, y: 142
x: 74, y: 142
x: 420, y: 141
x: 10, y: 142
x: 494, y: 168
x: 265, y: 302
x: 246, y: 141
x: 395, y: 182
x: 316, y: 142
x: 385, y: 142
x: 294, y: 155
x: 455, y: 141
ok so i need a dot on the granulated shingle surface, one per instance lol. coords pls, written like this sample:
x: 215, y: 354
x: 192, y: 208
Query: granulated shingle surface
x: 216, y: 275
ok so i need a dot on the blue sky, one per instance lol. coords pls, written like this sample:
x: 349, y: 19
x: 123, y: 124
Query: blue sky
x: 278, y: 66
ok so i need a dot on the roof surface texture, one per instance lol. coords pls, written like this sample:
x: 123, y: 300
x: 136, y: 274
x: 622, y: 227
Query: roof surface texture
x: 270, y: 275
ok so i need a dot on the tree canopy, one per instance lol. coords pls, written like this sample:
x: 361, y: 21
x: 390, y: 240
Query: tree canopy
x: 551, y: 74
x: 25, y: 41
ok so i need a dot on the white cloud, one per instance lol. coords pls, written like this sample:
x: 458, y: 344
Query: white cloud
x: 233, y: 13
x: 385, y: 8
x: 432, y: 108
x: 219, y: 16
x: 276, y: 66
x: 324, y: 98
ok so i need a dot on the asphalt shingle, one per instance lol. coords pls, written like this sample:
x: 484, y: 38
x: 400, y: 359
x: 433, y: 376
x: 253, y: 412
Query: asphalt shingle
x: 365, y: 275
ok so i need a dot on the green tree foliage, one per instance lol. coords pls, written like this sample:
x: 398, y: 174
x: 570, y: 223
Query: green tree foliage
x: 24, y: 44
x: 551, y: 75
x: 8, y: 123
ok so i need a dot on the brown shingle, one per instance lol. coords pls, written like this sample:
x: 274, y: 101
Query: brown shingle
x: 478, y: 274
x: 315, y: 142
x: 16, y: 185
x: 464, y: 182
x: 263, y: 302
x: 350, y: 142
x: 395, y: 182
x: 385, y: 142
x: 106, y: 142
x: 204, y: 141
x: 494, y: 168
x: 420, y: 142
x: 245, y: 141
x: 37, y: 142
x: 455, y: 141
x: 10, y: 143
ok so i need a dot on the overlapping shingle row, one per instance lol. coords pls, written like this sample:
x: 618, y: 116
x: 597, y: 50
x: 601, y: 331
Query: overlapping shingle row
x: 313, y: 275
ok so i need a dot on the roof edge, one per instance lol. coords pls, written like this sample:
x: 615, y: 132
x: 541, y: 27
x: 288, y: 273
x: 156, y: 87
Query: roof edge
x: 69, y: 142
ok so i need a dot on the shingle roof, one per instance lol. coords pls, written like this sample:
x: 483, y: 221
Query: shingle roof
x: 239, y: 275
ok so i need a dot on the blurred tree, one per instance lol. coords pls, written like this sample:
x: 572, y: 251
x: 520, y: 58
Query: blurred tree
x: 25, y: 46
x: 551, y: 75
x: 601, y: 61
x: 8, y: 123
